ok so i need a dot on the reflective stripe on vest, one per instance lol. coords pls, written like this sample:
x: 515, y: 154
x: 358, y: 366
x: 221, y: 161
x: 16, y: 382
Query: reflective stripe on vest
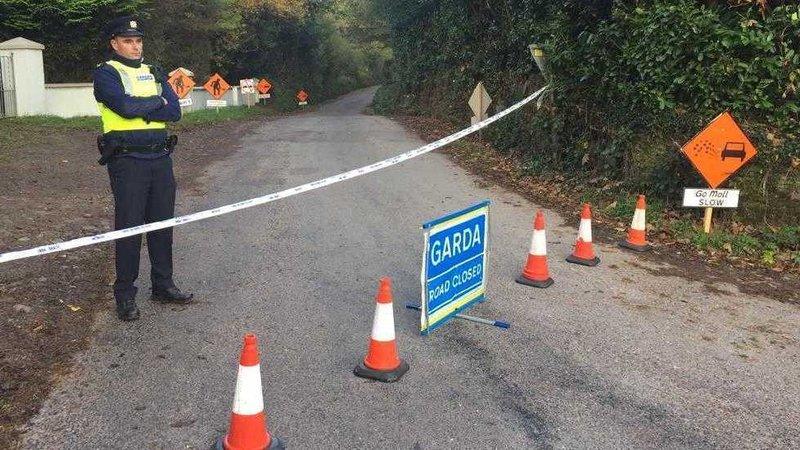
x: 137, y: 82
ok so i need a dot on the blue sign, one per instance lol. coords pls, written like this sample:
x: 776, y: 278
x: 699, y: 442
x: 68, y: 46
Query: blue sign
x: 454, y: 268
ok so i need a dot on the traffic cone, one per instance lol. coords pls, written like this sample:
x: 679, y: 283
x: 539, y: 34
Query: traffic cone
x: 637, y: 240
x: 382, y: 363
x: 248, y: 430
x: 535, y: 272
x: 584, y: 251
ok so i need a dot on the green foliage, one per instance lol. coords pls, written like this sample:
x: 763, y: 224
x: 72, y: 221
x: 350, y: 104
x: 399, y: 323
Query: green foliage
x: 202, y: 117
x: 767, y: 247
x: 190, y: 33
x: 23, y: 15
x: 625, y: 205
x: 743, y: 244
x: 69, y: 29
x: 784, y: 237
x: 386, y: 99
x: 632, y: 81
x: 326, y: 47
x: 51, y: 123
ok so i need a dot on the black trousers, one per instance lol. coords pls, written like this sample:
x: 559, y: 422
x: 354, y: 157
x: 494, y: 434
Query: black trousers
x: 144, y: 192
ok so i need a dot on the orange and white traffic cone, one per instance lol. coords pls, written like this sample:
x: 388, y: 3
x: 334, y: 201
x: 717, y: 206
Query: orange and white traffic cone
x: 383, y: 362
x: 248, y: 430
x: 584, y: 251
x: 637, y: 239
x: 535, y: 272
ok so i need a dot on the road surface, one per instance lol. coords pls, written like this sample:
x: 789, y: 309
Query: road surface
x: 609, y: 357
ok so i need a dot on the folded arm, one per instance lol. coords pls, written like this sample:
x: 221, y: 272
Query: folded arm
x: 169, y: 112
x: 109, y: 91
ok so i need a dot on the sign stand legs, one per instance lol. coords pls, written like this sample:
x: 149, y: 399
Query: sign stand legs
x: 494, y: 323
x: 707, y: 220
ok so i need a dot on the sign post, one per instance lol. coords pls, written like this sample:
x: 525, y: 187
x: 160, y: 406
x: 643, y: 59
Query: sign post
x: 718, y: 152
x: 707, y: 220
x: 539, y: 57
x: 454, y: 267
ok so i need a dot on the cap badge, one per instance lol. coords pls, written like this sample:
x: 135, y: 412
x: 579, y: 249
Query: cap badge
x: 133, y: 24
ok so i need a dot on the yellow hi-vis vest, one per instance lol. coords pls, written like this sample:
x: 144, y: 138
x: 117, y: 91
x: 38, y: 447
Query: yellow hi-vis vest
x: 138, y: 82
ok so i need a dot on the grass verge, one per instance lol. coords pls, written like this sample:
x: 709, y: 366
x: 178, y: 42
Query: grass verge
x: 20, y: 132
x: 775, y: 248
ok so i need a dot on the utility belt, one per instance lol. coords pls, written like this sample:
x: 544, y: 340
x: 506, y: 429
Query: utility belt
x: 109, y: 151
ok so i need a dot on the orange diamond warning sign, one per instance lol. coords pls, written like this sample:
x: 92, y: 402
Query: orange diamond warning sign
x: 302, y: 96
x: 719, y: 150
x: 181, y: 84
x: 216, y: 86
x: 263, y: 86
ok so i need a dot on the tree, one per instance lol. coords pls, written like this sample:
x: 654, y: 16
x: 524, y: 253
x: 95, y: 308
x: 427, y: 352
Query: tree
x: 69, y: 29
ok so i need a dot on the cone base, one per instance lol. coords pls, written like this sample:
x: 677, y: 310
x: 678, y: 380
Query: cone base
x: 275, y: 444
x: 634, y: 247
x: 387, y: 377
x: 583, y: 261
x: 522, y: 279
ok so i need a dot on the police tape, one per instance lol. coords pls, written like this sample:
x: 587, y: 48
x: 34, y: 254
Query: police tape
x: 141, y: 229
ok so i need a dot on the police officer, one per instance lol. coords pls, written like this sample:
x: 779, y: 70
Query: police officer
x: 135, y: 103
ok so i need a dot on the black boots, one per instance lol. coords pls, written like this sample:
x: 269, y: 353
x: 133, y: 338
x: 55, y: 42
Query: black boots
x: 171, y: 295
x: 127, y: 311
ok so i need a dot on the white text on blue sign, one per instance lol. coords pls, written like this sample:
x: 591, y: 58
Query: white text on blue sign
x: 455, y: 262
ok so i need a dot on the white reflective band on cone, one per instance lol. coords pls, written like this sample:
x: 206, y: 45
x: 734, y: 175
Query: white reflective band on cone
x: 638, y: 220
x: 248, y: 399
x: 383, y: 323
x: 119, y: 234
x: 539, y: 243
x: 585, y: 230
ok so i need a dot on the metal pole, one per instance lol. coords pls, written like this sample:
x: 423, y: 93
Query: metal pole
x: 494, y: 323
x: 480, y: 108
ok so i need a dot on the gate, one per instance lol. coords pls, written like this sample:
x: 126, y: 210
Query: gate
x: 7, y: 100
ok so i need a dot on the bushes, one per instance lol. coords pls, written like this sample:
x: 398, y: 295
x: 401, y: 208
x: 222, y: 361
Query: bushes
x: 633, y: 80
x: 307, y: 43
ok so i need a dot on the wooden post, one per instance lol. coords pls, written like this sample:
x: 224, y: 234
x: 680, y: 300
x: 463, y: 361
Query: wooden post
x: 707, y: 220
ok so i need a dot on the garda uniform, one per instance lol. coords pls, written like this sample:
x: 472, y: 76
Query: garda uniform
x: 137, y: 82
x: 135, y: 103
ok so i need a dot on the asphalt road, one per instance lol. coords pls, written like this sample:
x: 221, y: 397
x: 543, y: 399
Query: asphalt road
x: 609, y: 357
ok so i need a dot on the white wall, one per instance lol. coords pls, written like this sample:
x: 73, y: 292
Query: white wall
x: 200, y: 95
x: 33, y: 97
x: 70, y: 100
x: 77, y: 99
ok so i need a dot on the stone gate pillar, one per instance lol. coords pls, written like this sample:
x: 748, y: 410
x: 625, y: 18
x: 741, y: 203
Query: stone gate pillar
x: 28, y: 78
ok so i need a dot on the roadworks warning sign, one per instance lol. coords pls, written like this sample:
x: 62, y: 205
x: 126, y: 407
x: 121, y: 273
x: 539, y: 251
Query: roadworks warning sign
x: 719, y: 150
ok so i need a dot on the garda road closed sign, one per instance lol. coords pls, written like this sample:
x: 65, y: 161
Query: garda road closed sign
x: 454, y: 266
